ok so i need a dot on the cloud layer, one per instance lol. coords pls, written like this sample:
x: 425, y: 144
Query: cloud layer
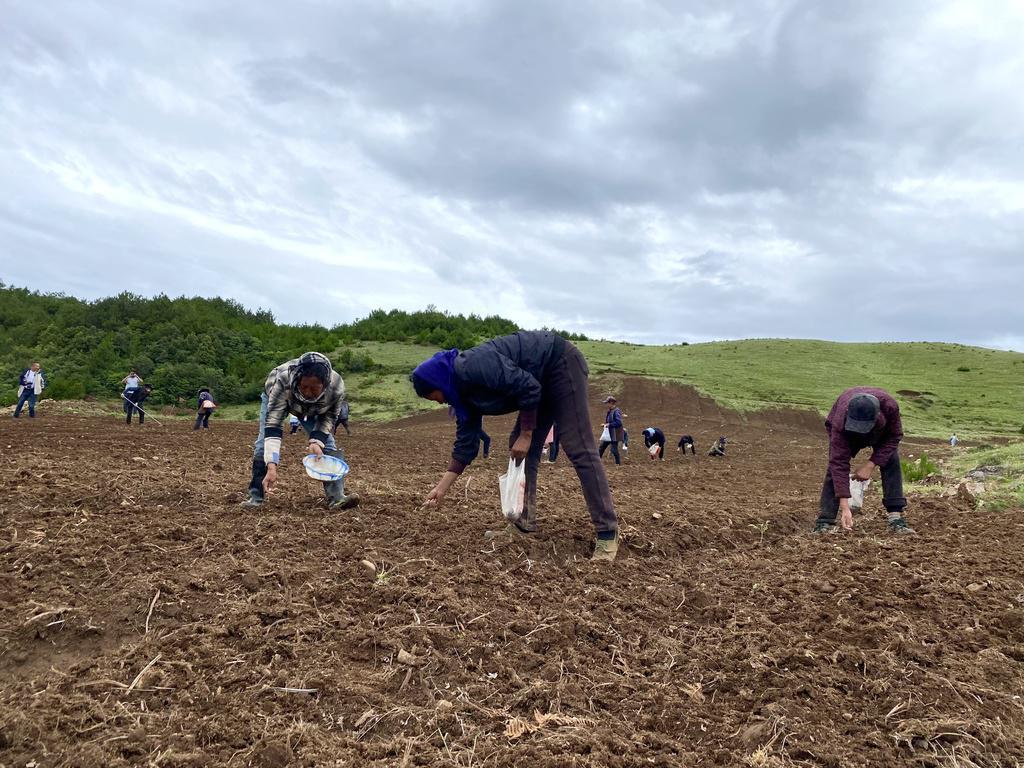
x: 841, y: 171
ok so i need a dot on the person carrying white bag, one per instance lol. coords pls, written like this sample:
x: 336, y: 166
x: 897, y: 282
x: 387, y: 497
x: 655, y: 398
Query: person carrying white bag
x: 544, y: 378
x: 654, y: 442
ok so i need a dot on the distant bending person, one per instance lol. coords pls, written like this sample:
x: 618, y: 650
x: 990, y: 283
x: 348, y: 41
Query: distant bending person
x: 718, y: 447
x: 654, y: 436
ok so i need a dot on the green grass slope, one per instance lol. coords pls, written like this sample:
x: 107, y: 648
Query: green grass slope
x: 945, y: 387
x: 941, y: 387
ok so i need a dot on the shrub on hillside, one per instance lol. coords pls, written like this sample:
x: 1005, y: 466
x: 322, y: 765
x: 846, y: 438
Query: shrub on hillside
x: 915, y: 471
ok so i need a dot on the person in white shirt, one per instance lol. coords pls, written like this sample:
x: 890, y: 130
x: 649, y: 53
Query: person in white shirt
x: 30, y: 386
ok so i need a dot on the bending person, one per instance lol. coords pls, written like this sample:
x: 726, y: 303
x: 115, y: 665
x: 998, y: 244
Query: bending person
x: 544, y: 378
x: 307, y: 387
x: 862, y: 417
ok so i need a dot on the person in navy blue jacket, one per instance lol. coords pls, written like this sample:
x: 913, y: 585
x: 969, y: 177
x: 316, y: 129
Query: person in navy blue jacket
x: 654, y: 436
x: 204, y: 408
x: 544, y: 378
x: 613, y: 423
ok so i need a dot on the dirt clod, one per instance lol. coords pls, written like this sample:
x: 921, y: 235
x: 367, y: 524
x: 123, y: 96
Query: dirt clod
x: 273, y: 754
x: 251, y: 581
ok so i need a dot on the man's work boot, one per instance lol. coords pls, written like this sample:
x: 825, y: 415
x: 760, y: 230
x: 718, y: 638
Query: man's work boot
x: 347, y: 501
x: 899, y: 526
x: 259, y: 471
x: 606, y: 549
x: 335, y: 489
x: 824, y: 529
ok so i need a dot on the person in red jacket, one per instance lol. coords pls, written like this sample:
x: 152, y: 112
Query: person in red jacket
x: 862, y: 417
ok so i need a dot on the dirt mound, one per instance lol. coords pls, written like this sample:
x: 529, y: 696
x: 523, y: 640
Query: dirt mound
x: 146, y: 619
x: 676, y: 409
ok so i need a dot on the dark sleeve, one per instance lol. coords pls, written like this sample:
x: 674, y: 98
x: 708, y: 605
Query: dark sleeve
x: 893, y: 434
x: 492, y: 370
x: 839, y: 463
x: 615, y: 420
x: 467, y: 442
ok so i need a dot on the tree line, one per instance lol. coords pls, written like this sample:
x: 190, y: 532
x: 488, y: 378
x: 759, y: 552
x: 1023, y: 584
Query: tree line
x: 182, y: 344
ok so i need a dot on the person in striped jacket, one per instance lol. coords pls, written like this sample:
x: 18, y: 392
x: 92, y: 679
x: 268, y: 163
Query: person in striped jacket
x: 307, y: 387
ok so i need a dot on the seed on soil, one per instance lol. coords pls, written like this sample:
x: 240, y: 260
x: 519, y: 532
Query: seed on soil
x: 976, y: 586
x: 370, y: 567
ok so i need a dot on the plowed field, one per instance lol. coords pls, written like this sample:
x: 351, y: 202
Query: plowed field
x: 147, y: 620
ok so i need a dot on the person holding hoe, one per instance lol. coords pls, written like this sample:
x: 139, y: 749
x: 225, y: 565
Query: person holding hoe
x: 544, y: 378
x: 862, y: 417
x: 307, y: 387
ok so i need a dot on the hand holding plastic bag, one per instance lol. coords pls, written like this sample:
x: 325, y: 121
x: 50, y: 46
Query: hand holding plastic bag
x: 857, y: 489
x: 512, y: 486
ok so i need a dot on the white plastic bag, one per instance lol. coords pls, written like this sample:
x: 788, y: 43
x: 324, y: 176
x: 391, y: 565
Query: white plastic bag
x: 512, y: 486
x: 857, y: 488
x: 654, y: 450
x: 606, y: 435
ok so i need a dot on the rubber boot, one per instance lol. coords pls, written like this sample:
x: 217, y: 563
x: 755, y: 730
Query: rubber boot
x: 335, y: 489
x: 259, y: 471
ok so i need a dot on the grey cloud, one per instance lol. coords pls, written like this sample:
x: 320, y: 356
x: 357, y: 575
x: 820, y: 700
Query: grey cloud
x: 636, y: 171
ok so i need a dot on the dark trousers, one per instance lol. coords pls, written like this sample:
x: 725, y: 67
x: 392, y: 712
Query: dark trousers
x: 892, y: 491
x: 615, y: 449
x: 564, y: 403
x: 486, y: 440
x: 344, y: 423
x: 28, y: 395
x: 203, y: 418
x: 131, y: 405
x: 693, y: 449
x: 553, y: 449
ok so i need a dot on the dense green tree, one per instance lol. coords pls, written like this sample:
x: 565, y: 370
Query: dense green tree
x: 181, y: 344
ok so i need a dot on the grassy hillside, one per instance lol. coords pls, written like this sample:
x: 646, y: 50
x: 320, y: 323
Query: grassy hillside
x: 941, y: 387
x: 945, y: 387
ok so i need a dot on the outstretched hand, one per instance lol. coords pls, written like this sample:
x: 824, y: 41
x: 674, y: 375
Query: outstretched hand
x: 845, y: 515
x: 270, y: 479
x: 436, y: 496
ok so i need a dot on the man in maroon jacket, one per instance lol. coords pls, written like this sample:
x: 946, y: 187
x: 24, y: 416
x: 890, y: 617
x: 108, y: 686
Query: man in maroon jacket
x: 862, y: 417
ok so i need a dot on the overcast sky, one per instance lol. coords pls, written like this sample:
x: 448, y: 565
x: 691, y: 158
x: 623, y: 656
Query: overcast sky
x: 649, y: 171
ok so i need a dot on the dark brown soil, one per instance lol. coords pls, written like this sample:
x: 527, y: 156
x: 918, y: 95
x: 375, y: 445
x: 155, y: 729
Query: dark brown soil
x: 146, y: 619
